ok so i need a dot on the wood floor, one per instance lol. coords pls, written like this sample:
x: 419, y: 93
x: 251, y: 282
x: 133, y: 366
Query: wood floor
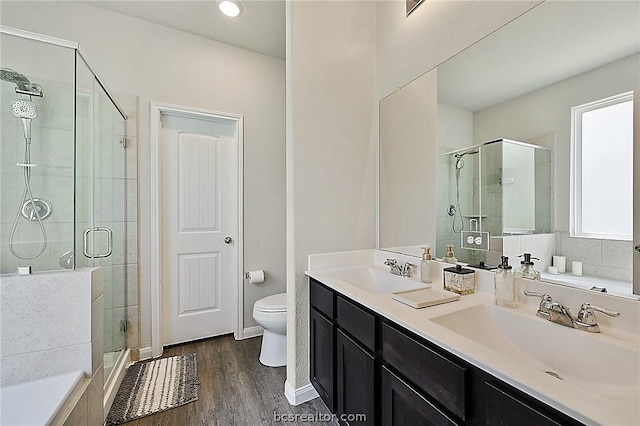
x: 235, y: 389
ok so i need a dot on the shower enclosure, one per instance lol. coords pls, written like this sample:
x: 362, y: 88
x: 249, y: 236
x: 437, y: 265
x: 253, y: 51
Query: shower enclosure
x: 488, y: 191
x: 62, y: 171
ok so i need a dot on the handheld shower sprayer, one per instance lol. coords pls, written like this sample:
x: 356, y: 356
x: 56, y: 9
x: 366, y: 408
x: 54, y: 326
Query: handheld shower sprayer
x: 26, y: 110
x: 459, y: 166
x: 31, y: 208
x: 455, y: 208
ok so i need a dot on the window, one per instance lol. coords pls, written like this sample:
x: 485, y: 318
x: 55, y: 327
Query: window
x: 602, y: 163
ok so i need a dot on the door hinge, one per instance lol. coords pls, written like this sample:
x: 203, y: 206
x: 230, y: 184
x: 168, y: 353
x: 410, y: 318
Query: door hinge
x: 123, y: 142
x: 124, y: 325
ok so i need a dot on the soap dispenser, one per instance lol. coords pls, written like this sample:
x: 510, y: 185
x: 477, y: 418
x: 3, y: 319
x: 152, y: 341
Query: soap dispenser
x: 448, y: 256
x: 526, y: 269
x: 504, y: 284
x: 425, y: 265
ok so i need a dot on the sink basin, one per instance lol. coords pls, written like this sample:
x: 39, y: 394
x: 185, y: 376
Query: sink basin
x: 375, y: 279
x: 600, y: 364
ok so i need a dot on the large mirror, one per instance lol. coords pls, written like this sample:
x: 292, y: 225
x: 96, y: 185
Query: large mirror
x: 523, y: 92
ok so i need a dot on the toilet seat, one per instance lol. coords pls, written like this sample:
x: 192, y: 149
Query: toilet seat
x: 275, y: 303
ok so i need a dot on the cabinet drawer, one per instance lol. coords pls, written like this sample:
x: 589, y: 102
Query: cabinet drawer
x: 321, y: 298
x: 402, y: 405
x: 357, y: 322
x: 442, y: 378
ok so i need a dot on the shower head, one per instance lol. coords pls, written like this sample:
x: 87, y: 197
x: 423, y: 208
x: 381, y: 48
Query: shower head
x: 462, y: 154
x: 26, y: 110
x: 7, y: 74
x: 459, y: 163
x: 23, y: 85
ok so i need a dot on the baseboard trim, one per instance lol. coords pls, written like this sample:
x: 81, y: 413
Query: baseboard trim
x: 300, y: 395
x: 250, y: 332
x: 145, y: 353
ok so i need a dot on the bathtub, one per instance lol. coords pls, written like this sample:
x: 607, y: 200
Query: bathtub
x: 38, y: 402
x: 620, y: 288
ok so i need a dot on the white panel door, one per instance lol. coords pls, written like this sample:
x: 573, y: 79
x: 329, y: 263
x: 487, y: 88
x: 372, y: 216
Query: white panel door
x: 199, y: 223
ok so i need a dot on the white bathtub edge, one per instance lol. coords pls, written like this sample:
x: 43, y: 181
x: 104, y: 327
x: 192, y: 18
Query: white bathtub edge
x: 17, y: 401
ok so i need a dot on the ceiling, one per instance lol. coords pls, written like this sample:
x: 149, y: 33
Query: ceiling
x: 260, y: 28
x: 554, y: 41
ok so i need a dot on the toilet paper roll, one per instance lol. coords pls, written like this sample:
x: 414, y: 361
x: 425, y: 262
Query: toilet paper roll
x: 255, y: 277
x: 560, y: 262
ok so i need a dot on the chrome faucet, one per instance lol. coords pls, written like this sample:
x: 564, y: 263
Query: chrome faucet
x: 560, y: 314
x: 407, y: 269
x: 396, y: 269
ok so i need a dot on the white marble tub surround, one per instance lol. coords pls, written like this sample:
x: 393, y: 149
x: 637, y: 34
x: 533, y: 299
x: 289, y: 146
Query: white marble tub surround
x: 619, y: 404
x: 37, y: 402
x: 47, y: 327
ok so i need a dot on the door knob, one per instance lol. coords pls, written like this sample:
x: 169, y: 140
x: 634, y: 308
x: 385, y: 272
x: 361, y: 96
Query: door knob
x: 228, y: 240
x: 637, y: 247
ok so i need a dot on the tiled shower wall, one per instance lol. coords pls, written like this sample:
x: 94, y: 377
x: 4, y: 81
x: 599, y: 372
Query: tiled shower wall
x: 600, y: 258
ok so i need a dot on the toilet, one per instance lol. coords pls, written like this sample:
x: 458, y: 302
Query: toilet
x: 271, y: 313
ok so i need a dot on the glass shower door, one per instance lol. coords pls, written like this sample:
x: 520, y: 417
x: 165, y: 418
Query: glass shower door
x: 100, y: 203
x: 108, y: 235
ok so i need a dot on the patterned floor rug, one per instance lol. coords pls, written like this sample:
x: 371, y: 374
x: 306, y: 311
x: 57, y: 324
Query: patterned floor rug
x: 149, y: 387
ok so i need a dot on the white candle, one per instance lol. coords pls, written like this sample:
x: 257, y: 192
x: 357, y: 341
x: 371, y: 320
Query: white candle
x: 553, y: 270
x: 576, y: 268
x: 560, y: 262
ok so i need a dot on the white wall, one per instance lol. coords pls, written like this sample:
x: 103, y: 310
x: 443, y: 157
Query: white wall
x: 408, y: 154
x: 160, y: 64
x: 407, y: 47
x: 455, y: 128
x: 331, y: 116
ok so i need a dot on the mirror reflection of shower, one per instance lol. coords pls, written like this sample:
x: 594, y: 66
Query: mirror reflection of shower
x: 29, y: 207
x: 454, y: 210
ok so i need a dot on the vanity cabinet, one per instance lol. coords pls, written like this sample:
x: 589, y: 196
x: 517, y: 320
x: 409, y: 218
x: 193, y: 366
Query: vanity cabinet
x: 362, y: 363
x: 322, y: 348
x: 402, y: 405
x: 355, y: 384
x: 503, y: 406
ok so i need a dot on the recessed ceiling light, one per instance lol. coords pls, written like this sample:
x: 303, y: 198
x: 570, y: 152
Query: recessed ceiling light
x: 230, y: 8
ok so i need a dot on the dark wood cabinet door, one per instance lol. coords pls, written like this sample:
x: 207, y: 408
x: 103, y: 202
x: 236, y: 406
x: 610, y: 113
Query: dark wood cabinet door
x: 356, y: 374
x: 401, y: 405
x: 322, y: 357
x: 504, y: 408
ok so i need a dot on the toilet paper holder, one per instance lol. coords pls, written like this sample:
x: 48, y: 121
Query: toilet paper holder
x: 255, y: 277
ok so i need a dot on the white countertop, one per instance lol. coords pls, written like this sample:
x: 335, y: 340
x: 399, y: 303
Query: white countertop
x: 564, y: 396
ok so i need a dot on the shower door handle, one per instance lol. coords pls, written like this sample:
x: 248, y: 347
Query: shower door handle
x: 109, y: 233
